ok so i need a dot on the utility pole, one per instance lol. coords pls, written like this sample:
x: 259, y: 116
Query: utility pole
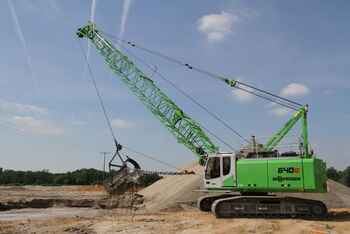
x: 104, y: 162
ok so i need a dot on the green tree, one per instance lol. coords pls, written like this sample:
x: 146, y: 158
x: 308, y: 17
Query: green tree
x: 58, y: 179
x: 347, y: 176
x: 333, y: 174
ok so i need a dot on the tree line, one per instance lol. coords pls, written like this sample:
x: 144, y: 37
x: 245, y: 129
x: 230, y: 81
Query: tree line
x: 339, y: 176
x: 78, y: 177
x: 92, y: 176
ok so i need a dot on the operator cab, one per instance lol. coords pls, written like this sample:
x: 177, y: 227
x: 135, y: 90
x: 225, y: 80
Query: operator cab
x: 220, y: 171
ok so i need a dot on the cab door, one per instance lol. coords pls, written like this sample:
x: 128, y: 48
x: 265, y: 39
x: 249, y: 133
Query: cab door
x: 228, y: 171
x: 220, y: 172
x: 212, y: 173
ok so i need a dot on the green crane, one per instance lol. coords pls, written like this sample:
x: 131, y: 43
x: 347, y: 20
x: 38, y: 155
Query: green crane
x: 185, y: 129
x: 253, y: 175
x: 302, y: 113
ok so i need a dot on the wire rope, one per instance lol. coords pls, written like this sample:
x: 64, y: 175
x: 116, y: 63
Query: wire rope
x: 188, y: 96
x: 204, y: 71
x: 98, y: 93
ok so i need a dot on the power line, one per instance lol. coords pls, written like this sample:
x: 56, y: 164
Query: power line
x: 104, y: 162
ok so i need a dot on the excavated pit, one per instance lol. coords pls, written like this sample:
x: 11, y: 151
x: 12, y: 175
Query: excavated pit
x: 126, y: 201
x: 65, y: 196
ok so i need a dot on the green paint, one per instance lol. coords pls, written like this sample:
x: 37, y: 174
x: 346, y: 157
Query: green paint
x: 296, y: 175
x: 229, y: 182
x: 295, y: 180
x: 302, y: 113
x: 252, y: 175
x: 185, y: 129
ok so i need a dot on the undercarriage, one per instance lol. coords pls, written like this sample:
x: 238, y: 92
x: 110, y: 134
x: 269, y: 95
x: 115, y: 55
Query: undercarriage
x: 233, y: 205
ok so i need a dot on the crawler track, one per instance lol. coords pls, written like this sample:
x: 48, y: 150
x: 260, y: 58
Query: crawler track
x: 204, y: 203
x: 267, y: 206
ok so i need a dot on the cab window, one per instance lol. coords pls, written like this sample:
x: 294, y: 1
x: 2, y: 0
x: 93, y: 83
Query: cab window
x: 213, y: 168
x: 226, y: 165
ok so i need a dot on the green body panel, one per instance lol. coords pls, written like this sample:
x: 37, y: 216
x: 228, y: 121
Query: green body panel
x: 229, y: 182
x: 290, y: 179
x: 252, y: 174
x: 278, y: 175
x: 315, y: 168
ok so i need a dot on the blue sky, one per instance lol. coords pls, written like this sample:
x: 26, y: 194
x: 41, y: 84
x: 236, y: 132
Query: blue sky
x: 50, y: 117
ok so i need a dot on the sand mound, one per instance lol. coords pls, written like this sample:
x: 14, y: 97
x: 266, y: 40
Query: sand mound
x: 174, y: 189
x: 177, y: 208
x: 179, y: 189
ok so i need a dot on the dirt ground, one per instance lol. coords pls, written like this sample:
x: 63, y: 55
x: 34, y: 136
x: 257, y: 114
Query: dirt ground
x: 177, y: 218
x: 188, y: 220
x: 27, y: 192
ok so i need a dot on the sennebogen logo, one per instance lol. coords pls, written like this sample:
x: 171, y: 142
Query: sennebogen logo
x: 281, y: 179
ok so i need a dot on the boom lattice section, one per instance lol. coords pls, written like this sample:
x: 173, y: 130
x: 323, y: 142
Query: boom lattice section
x: 185, y: 129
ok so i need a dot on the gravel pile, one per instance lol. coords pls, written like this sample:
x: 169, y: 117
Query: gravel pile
x: 174, y: 189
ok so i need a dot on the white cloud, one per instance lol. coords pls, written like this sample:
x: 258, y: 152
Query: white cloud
x: 126, y: 7
x: 93, y: 9
x: 271, y: 104
x: 49, y: 7
x: 122, y: 123
x: 159, y: 139
x: 29, y: 124
x: 92, y: 19
x: 217, y: 26
x: 294, y: 89
x: 77, y: 122
x: 23, y: 42
x: 281, y: 111
x: 327, y: 91
x: 241, y: 95
x: 22, y: 108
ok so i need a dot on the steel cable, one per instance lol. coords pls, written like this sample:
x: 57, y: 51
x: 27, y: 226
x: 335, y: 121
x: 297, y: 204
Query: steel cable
x: 189, y: 97
x: 207, y: 72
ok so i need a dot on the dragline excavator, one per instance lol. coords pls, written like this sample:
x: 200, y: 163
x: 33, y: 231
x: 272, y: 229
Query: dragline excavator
x: 244, y: 179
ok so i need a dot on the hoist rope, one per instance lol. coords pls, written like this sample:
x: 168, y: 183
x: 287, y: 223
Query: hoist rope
x: 188, y: 96
x: 266, y: 98
x: 290, y: 102
x: 107, y: 119
x: 98, y: 93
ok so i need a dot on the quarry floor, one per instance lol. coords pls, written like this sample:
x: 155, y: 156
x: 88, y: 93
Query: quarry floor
x: 173, y: 219
x: 184, y: 221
